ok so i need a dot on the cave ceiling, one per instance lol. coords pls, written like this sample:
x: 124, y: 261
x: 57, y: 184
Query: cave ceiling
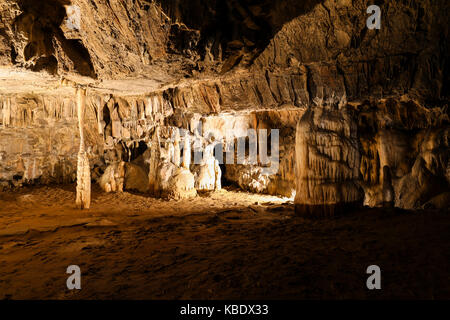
x: 138, y: 46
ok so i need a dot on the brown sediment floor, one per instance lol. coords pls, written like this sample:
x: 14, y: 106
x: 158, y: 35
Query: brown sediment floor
x: 227, y: 245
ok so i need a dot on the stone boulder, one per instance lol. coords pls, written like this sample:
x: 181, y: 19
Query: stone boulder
x: 181, y: 184
x: 112, y: 179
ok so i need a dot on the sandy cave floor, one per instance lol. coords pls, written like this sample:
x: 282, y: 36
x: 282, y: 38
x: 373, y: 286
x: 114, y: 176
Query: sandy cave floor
x: 227, y: 245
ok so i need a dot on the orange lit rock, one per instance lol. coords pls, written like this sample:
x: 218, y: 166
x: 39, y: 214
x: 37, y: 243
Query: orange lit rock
x: 327, y: 162
x: 83, y: 199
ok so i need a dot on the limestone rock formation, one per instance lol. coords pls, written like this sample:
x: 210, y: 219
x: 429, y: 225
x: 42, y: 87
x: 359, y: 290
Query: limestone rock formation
x: 161, y: 75
x: 388, y: 189
x: 209, y: 173
x: 113, y: 178
x: 83, y: 199
x: 168, y: 177
x: 327, y: 162
x: 217, y: 176
x: 249, y: 178
x: 165, y: 171
x: 410, y: 140
x: 181, y: 184
x: 154, y: 164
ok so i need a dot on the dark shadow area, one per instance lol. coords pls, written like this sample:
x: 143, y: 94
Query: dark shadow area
x: 137, y: 150
x: 233, y: 26
x: 78, y: 54
x: 50, y: 64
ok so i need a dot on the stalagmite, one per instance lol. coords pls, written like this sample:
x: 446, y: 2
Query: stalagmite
x: 170, y: 180
x: 206, y: 179
x: 83, y: 200
x: 113, y: 178
x: 176, y: 144
x: 154, y: 162
x: 181, y: 184
x: 186, y: 152
x: 388, y: 190
x: 218, y: 174
x: 171, y: 151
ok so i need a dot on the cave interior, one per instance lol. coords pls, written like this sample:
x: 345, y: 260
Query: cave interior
x: 221, y: 113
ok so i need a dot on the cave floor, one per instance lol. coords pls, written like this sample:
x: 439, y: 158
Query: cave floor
x: 225, y: 245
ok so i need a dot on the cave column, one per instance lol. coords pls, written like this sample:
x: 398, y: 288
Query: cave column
x: 83, y: 199
x: 155, y: 158
x: 327, y: 163
x: 176, y: 144
x: 186, y: 152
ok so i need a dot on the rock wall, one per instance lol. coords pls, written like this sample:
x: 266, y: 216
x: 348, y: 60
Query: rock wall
x: 412, y: 142
x: 397, y: 152
x: 409, y: 54
x: 39, y: 139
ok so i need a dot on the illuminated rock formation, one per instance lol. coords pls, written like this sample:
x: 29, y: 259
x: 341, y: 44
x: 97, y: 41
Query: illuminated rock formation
x: 327, y: 162
x: 388, y: 189
x: 181, y: 184
x: 113, y: 178
x: 176, y: 145
x: 153, y: 68
x: 83, y: 199
x: 155, y: 156
x: 409, y: 143
x: 218, y: 175
x: 206, y: 176
x: 186, y: 163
